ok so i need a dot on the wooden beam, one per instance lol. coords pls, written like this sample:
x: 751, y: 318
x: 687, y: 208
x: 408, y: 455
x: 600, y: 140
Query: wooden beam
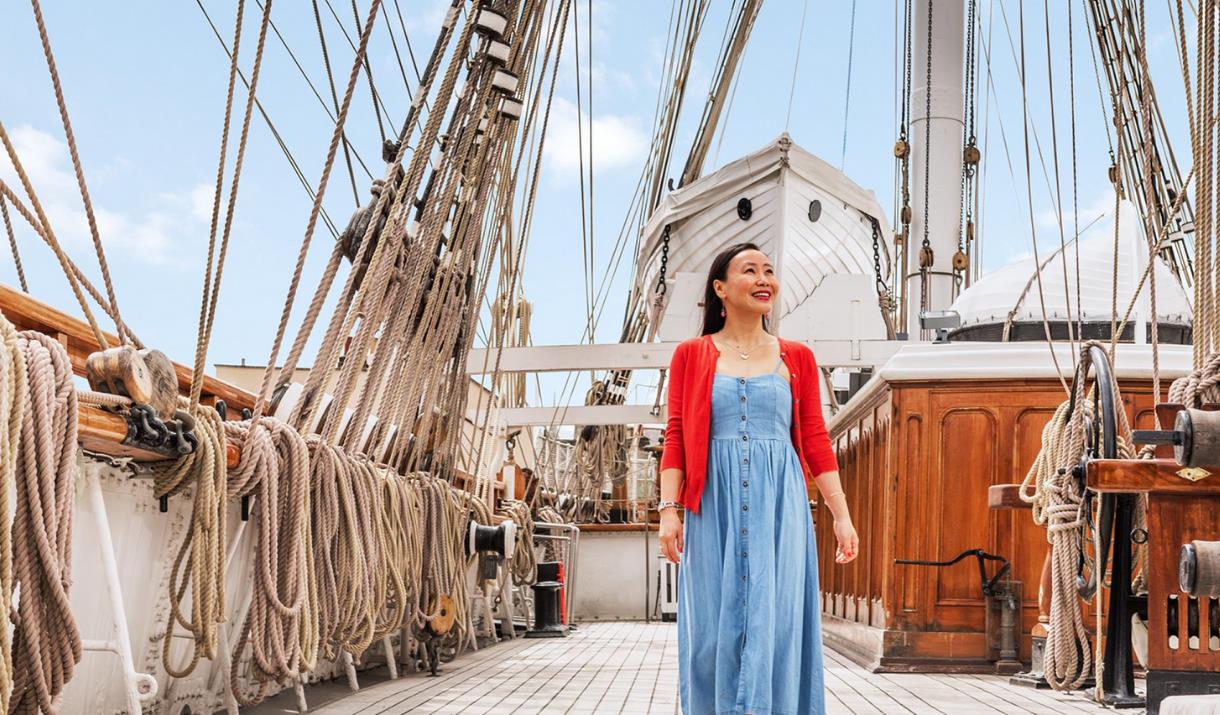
x: 1006, y: 496
x: 655, y: 356
x: 582, y: 415
x: 104, y: 432
x: 26, y: 313
x: 1163, y: 476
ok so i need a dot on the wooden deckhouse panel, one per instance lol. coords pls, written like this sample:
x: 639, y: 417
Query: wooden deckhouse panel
x: 917, y: 459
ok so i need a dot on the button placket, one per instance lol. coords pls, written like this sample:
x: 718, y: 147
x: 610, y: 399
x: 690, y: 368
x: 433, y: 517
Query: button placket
x: 745, y: 471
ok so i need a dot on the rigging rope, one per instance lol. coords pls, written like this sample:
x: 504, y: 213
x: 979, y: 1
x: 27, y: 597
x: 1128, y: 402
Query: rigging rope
x: 12, y: 244
x: 260, y: 404
x: 851, y: 50
x: 43, y: 226
x: 73, y: 271
x: 211, y: 282
x: 80, y: 174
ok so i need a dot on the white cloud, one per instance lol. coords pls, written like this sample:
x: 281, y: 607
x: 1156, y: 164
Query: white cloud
x: 617, y: 140
x: 149, y: 237
x: 427, y: 20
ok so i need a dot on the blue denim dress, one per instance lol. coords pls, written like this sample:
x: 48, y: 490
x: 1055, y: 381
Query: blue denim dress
x: 749, y: 625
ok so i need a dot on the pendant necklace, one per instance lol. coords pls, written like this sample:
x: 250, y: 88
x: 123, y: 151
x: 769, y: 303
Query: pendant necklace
x: 740, y: 353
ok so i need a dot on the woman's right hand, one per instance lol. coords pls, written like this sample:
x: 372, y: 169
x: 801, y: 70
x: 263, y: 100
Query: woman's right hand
x: 671, y: 535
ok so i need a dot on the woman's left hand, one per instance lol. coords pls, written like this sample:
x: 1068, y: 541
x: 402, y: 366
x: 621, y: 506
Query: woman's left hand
x: 849, y: 542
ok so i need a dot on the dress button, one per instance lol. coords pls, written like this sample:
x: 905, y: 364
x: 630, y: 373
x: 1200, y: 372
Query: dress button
x: 743, y: 577
x: 745, y: 507
x: 745, y: 437
x: 744, y: 532
x: 746, y: 460
x: 742, y: 381
x: 746, y: 483
x: 743, y: 398
x: 743, y: 418
x: 744, y: 555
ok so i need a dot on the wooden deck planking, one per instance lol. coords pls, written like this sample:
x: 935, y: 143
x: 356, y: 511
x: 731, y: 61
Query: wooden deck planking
x: 629, y: 668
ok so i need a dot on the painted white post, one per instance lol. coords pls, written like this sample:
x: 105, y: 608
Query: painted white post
x: 391, y: 661
x: 940, y: 154
x: 137, y: 687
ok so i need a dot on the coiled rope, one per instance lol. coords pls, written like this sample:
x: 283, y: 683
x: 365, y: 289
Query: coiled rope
x: 46, y: 643
x: 524, y: 564
x: 199, y: 564
x: 281, y: 626
x: 1059, y: 505
x: 13, y: 394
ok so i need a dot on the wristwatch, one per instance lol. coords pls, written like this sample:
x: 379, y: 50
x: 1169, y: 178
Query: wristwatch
x: 665, y: 504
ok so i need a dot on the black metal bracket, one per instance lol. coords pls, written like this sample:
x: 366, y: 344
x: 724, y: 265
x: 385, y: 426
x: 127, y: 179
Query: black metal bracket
x: 988, y: 586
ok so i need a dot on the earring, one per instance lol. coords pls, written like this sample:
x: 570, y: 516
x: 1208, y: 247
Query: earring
x: 722, y: 312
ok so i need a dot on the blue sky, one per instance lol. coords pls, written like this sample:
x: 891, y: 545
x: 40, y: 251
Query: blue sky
x: 145, y: 86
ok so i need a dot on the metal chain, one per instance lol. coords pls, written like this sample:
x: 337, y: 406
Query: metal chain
x: 885, y: 297
x: 661, y: 286
x: 925, y: 253
x: 968, y: 133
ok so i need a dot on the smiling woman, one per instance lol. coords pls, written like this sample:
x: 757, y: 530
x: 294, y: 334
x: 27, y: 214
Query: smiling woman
x: 746, y: 429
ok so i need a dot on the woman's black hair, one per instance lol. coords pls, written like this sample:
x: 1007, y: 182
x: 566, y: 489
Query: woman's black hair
x: 713, y: 307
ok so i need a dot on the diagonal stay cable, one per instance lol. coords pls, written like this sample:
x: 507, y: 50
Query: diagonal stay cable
x: 296, y: 167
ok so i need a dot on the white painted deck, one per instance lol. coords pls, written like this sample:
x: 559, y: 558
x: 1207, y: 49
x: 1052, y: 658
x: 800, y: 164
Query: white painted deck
x: 631, y: 669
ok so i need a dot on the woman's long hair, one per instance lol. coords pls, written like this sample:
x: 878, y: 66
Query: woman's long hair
x: 713, y: 307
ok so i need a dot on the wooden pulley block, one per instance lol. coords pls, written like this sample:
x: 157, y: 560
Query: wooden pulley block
x: 443, y: 614
x: 1112, y: 172
x: 902, y: 149
x: 971, y: 155
x: 906, y: 214
x: 960, y: 261
x: 164, y: 396
x: 120, y: 371
x: 926, y: 257
x: 969, y: 231
x: 899, y: 239
x: 1199, y: 569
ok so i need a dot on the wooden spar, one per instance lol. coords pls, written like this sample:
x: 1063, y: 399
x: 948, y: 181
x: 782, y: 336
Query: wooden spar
x: 104, y: 432
x: 26, y: 313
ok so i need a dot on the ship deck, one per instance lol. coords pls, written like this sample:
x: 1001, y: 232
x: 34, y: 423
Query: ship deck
x: 631, y: 668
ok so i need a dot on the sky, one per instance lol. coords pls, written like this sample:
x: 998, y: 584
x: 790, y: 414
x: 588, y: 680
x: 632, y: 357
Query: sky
x: 145, y: 85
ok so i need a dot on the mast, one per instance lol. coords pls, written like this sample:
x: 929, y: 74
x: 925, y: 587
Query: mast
x: 936, y: 154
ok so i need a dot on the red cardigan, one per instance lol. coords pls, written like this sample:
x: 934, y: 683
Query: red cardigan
x: 692, y: 370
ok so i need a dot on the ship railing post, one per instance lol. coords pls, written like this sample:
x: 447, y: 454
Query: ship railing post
x: 138, y: 687
x: 391, y: 662
x: 224, y: 657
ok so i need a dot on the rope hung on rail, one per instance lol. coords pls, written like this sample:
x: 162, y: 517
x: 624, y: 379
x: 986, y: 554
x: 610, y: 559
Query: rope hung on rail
x: 13, y: 394
x: 46, y: 642
x: 281, y: 626
x: 199, y: 564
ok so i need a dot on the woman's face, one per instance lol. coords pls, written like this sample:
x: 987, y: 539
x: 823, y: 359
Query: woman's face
x: 749, y: 285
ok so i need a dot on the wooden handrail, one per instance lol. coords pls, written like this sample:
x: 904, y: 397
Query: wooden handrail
x: 27, y: 313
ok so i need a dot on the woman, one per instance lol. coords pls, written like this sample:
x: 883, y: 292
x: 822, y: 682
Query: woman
x: 745, y: 435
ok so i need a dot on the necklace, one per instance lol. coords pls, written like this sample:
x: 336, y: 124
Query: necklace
x: 744, y: 354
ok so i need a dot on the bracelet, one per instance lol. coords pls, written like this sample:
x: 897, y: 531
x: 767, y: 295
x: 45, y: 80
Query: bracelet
x: 666, y: 504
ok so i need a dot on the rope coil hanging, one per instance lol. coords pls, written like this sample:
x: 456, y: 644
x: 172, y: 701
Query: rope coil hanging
x: 46, y: 642
x: 1059, y: 504
x: 280, y: 628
